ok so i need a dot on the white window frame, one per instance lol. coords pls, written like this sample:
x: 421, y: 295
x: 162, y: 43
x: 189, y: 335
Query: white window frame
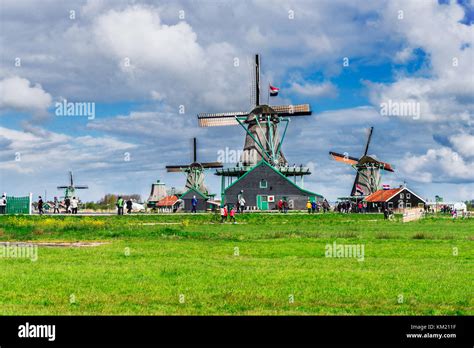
x: 263, y: 181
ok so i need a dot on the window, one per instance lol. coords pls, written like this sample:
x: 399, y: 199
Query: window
x: 408, y: 196
x: 408, y: 205
x: 390, y: 205
x: 401, y: 195
x: 263, y: 183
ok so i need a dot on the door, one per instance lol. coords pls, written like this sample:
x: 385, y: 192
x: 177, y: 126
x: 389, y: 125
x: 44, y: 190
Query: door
x: 262, y: 202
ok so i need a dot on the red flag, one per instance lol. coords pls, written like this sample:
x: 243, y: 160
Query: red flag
x: 273, y: 90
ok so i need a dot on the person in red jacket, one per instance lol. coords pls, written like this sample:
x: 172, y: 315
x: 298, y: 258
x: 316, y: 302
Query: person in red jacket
x: 232, y: 215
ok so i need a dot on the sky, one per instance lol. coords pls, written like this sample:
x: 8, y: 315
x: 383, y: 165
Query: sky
x: 149, y: 67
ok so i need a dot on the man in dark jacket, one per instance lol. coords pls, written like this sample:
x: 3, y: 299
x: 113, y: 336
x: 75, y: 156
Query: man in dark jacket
x: 40, y: 205
x: 129, y: 206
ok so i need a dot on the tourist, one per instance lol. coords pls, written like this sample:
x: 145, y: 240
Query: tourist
x: 280, y: 206
x: 56, y: 205
x: 40, y: 205
x: 313, y: 207
x: 3, y: 204
x: 74, y: 203
x: 223, y: 214
x: 67, y: 202
x: 308, y: 206
x: 194, y: 203
x: 232, y: 215
x: 285, y: 206
x: 129, y: 206
x: 119, y: 205
x: 241, y: 200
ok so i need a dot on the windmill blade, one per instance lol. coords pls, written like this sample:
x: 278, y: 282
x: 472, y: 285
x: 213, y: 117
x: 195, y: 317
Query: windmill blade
x: 195, y: 150
x: 70, y: 179
x: 176, y: 168
x: 62, y: 187
x: 368, y: 140
x: 220, y: 119
x: 81, y: 187
x: 387, y: 166
x: 292, y: 110
x: 344, y: 159
x: 212, y: 165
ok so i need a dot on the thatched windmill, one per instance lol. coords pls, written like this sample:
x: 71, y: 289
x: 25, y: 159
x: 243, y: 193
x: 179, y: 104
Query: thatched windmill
x: 194, y: 171
x: 368, y: 169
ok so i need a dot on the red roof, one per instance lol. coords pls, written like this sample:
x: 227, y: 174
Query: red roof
x: 382, y: 195
x: 168, y: 201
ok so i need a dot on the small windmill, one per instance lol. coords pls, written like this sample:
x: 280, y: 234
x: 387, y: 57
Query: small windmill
x: 261, y: 124
x: 368, y: 169
x: 70, y: 190
x: 194, y: 171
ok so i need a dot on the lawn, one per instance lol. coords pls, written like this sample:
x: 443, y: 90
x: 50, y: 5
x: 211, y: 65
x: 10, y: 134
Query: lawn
x: 267, y: 264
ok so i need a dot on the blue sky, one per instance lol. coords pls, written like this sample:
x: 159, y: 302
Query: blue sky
x: 400, y: 51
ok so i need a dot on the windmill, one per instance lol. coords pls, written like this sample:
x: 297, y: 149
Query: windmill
x: 261, y: 124
x: 194, y: 171
x: 368, y: 169
x: 70, y: 190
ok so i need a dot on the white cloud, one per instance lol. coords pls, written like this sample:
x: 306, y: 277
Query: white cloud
x: 18, y: 93
x: 322, y: 90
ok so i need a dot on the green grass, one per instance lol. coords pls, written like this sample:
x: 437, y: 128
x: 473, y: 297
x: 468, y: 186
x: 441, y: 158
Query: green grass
x: 150, y: 261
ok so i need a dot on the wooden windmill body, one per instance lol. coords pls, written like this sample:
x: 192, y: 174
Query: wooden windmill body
x: 368, y: 170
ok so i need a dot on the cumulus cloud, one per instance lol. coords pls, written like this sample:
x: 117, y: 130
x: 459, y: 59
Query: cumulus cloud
x: 322, y: 90
x: 19, y: 93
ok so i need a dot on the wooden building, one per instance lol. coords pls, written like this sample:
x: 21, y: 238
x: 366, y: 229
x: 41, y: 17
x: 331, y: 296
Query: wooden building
x: 201, y: 197
x: 263, y: 186
x: 394, y: 199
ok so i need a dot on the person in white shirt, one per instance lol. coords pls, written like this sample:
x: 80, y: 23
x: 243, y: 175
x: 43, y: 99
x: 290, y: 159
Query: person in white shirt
x: 74, y: 203
x: 3, y: 204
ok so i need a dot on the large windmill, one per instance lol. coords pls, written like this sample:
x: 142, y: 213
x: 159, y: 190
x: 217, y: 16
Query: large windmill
x: 368, y: 169
x: 70, y: 190
x: 261, y: 124
x: 194, y: 171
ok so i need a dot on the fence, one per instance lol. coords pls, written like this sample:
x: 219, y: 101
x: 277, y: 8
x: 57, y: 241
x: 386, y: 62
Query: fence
x: 412, y: 214
x: 19, y: 205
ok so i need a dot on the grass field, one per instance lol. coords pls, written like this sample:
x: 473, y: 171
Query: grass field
x: 267, y: 264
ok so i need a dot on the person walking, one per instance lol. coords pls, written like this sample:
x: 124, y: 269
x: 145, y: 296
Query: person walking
x: 308, y: 206
x: 280, y: 206
x: 119, y: 205
x: 232, y: 215
x: 56, y: 205
x: 40, y: 205
x: 194, y: 203
x: 313, y: 207
x: 74, y: 204
x: 129, y: 206
x: 67, y: 202
x: 241, y: 201
x: 223, y: 214
x: 285, y: 206
x: 3, y: 204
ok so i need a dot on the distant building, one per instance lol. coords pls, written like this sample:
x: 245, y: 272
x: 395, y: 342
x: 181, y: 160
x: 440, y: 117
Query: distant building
x: 264, y: 186
x: 168, y: 204
x: 201, y: 197
x: 394, y: 199
x: 158, y: 192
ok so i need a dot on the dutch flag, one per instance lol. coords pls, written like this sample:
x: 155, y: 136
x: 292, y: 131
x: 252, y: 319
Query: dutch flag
x: 273, y: 90
x: 386, y: 187
x: 359, y: 189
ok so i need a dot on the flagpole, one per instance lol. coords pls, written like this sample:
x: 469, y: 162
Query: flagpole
x: 268, y: 94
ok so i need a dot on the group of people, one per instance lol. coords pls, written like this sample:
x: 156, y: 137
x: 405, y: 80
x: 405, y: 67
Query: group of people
x: 225, y: 212
x: 351, y: 207
x: 315, y: 206
x: 283, y: 206
x: 71, y: 204
x: 121, y: 203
